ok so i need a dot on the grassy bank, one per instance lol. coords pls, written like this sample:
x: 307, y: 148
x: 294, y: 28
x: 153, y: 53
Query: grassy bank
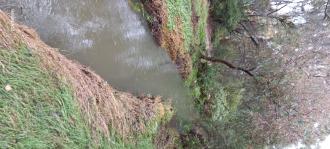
x: 179, y: 26
x: 240, y: 108
x: 38, y: 109
x: 215, y: 98
x: 48, y: 101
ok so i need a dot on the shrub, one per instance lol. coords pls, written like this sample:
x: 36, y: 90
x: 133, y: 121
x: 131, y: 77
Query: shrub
x: 227, y: 12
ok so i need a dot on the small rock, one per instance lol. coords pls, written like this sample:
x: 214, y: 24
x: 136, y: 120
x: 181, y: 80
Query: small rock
x: 8, y: 88
x: 325, y: 24
x: 298, y: 20
x: 149, y: 95
x: 308, y: 7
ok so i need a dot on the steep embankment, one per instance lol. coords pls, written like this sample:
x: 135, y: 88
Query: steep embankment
x: 179, y: 27
x: 49, y: 100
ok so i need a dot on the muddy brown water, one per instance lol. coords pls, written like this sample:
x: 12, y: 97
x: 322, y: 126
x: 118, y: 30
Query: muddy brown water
x: 111, y: 39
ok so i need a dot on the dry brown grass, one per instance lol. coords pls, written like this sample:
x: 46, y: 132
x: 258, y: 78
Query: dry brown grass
x: 102, y: 105
x: 171, y: 40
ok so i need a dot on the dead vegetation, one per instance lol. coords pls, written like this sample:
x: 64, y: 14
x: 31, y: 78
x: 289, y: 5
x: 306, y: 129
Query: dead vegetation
x: 326, y: 14
x: 103, y: 107
x: 171, y: 40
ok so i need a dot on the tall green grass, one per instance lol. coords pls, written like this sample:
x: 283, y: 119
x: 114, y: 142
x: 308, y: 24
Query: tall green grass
x: 228, y: 12
x: 201, y: 10
x: 199, y: 46
x: 181, y: 10
x: 39, y: 111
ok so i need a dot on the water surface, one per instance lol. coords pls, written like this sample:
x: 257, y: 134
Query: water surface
x: 111, y: 39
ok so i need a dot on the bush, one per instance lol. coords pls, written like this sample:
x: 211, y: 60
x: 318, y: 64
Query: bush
x: 225, y: 97
x: 227, y: 12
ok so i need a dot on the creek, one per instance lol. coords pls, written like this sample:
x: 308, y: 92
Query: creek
x: 111, y: 39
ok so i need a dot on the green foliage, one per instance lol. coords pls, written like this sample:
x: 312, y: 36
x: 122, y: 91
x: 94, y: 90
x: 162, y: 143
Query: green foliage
x: 201, y: 11
x: 145, y: 139
x: 39, y: 111
x: 138, y: 7
x: 198, y: 45
x: 179, y: 11
x: 225, y: 96
x: 229, y: 12
x: 192, y: 80
x: 219, y: 33
x: 206, y: 80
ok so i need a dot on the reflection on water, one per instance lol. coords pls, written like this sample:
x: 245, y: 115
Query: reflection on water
x: 110, y: 38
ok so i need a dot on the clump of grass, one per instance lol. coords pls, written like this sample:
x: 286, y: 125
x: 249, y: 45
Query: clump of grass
x: 138, y: 7
x: 201, y: 10
x: 145, y: 140
x: 198, y: 45
x: 179, y: 11
x: 39, y: 110
x: 228, y: 12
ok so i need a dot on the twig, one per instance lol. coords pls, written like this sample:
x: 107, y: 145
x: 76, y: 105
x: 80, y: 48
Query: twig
x: 253, y: 39
x: 276, y: 10
x: 3, y: 67
x: 228, y: 64
x: 282, y: 19
x: 326, y: 15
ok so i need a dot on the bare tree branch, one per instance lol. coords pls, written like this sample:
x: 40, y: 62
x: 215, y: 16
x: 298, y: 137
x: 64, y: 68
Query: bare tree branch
x: 326, y: 15
x: 282, y: 19
x: 276, y: 10
x: 253, y: 38
x: 228, y: 64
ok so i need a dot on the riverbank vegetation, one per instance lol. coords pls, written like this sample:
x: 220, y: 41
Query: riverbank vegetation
x: 48, y: 101
x: 36, y: 108
x: 189, y: 26
x: 214, y: 31
x: 242, y: 82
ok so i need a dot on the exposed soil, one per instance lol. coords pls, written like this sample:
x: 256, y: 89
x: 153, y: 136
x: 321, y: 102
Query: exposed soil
x: 102, y: 105
x: 171, y: 40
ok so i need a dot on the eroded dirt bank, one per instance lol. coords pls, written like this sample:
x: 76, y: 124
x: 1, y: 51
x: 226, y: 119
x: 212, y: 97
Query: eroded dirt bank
x: 173, y: 41
x: 103, y: 107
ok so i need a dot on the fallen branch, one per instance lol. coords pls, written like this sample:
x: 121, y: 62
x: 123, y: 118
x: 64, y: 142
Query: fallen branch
x: 282, y: 19
x: 326, y: 15
x: 276, y: 10
x: 253, y: 38
x: 228, y: 64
